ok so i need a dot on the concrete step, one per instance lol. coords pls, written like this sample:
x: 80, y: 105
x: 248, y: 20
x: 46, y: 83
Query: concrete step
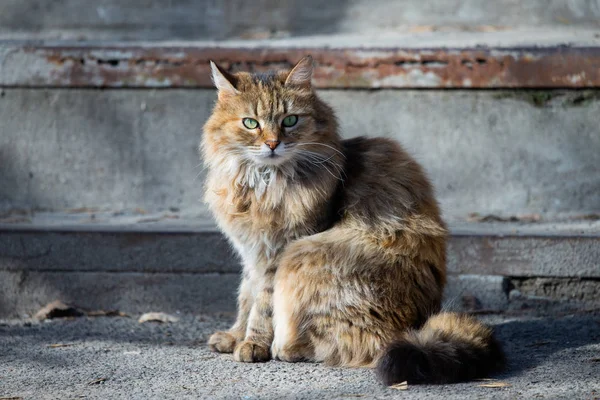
x: 534, y: 58
x: 101, y: 180
x: 193, y: 20
x: 489, y: 152
x: 135, y: 263
x: 505, y: 152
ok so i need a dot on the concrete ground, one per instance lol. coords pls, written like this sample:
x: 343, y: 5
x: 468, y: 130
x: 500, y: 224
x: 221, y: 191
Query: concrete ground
x: 116, y: 357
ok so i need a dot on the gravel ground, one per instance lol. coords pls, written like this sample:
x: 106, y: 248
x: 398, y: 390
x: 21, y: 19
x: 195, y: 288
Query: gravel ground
x: 118, y: 358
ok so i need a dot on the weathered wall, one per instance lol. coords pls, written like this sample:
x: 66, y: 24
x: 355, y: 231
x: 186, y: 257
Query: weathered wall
x: 486, y: 151
x: 189, y: 19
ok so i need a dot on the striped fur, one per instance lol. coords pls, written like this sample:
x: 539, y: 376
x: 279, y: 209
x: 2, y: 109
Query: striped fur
x: 342, y: 243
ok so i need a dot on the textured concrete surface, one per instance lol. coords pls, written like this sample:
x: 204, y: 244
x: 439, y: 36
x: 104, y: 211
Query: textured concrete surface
x: 487, y: 152
x: 525, y: 256
x: 98, y: 241
x: 559, y: 289
x: 484, y: 292
x: 174, y: 220
x: 117, y: 251
x: 23, y: 292
x: 133, y: 261
x: 550, y: 357
x: 187, y: 19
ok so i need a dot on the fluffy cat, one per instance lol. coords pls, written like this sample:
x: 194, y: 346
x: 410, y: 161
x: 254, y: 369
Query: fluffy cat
x: 342, y: 243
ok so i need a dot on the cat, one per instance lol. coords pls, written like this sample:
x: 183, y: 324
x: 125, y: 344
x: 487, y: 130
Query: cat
x: 342, y: 243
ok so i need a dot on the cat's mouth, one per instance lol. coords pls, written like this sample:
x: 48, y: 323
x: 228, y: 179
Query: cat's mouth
x: 271, y: 156
x: 271, y: 159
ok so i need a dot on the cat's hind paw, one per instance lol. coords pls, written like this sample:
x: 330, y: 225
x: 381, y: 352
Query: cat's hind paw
x: 222, y: 342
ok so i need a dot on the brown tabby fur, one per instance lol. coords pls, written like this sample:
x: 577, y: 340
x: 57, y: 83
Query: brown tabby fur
x: 342, y: 243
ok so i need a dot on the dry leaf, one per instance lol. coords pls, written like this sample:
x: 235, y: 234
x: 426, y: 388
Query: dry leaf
x: 57, y: 309
x: 57, y: 345
x: 490, y: 28
x: 11, y: 398
x: 589, y: 217
x: 157, y: 219
x: 98, y: 381
x: 148, y: 220
x: 495, y: 385
x: 157, y: 317
x: 529, y: 217
x: 15, y: 216
x: 422, y: 28
x: 400, y: 386
x: 82, y: 210
x: 15, y: 220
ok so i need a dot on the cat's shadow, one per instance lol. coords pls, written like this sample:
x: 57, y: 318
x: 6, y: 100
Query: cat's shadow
x: 529, y: 342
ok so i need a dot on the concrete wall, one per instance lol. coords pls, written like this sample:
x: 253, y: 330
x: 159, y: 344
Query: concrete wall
x: 210, y: 19
x: 488, y: 152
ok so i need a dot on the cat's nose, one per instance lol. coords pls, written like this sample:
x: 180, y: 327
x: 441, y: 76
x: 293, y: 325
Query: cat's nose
x: 272, y: 144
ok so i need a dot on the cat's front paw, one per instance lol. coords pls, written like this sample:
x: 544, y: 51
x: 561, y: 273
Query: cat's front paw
x: 222, y: 342
x: 248, y: 351
x: 288, y: 354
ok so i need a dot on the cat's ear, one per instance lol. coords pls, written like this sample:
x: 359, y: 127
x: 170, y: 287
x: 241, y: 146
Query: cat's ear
x: 223, y: 80
x: 301, y: 74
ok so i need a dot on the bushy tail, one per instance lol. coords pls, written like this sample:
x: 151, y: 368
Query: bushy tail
x: 449, y: 348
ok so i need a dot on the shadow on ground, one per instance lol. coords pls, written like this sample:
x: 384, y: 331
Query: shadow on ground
x: 528, y: 341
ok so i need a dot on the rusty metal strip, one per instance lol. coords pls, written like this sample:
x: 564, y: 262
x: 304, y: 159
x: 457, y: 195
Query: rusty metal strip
x: 187, y: 67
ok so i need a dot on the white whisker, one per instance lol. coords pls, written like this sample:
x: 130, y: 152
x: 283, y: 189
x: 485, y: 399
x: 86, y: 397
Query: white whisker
x: 321, y: 144
x: 317, y: 160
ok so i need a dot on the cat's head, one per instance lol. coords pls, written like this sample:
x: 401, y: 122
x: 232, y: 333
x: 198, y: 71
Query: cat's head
x: 270, y: 119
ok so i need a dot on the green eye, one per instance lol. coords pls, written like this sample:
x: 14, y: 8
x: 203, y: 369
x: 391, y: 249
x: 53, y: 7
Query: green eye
x: 250, y: 123
x: 290, y: 121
